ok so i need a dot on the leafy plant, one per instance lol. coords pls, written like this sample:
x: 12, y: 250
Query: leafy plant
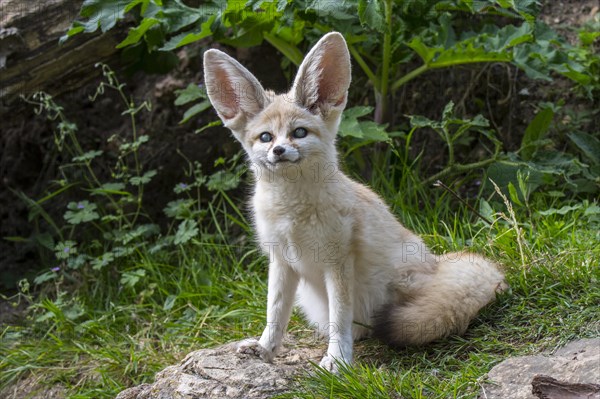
x: 539, y: 163
x: 456, y: 131
x: 383, y: 35
x: 108, y: 221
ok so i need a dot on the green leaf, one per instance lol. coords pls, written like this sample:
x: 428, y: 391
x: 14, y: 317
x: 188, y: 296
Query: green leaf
x: 144, y: 179
x: 588, y: 38
x: 191, y: 93
x: 534, y: 132
x: 189, y: 37
x: 195, y: 110
x: 112, y: 188
x: 65, y: 249
x: 187, y: 230
x: 46, y: 276
x: 562, y: 211
x: 176, y: 15
x: 76, y: 262
x: 137, y: 33
x: 495, y: 46
x: 593, y: 209
x: 141, y: 231
x: 350, y: 126
x: 208, y: 125
x: 102, y: 14
x: 514, y: 196
x: 81, y: 212
x: 420, y: 121
x: 88, y: 156
x: 169, y: 302
x: 588, y: 144
x: 370, y: 14
x: 288, y: 49
x: 179, y: 209
x: 223, y: 180
x: 102, y: 261
x: 357, y: 112
x: 130, y: 279
x: 45, y: 240
x: 485, y: 209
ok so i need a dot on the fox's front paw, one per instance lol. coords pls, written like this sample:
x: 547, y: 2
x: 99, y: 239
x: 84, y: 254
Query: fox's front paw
x: 252, y: 347
x: 329, y: 364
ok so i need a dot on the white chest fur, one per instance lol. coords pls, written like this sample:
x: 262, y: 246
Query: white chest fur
x: 305, y: 226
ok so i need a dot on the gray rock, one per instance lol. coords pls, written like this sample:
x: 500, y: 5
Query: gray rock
x: 222, y: 373
x: 577, y: 362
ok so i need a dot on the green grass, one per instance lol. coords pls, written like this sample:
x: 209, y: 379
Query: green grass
x: 94, y: 336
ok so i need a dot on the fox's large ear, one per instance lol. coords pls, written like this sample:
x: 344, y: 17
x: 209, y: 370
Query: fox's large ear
x: 234, y: 92
x: 324, y: 77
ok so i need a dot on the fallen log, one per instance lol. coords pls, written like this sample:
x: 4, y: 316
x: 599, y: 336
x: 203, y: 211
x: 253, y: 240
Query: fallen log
x: 545, y: 387
x: 31, y: 58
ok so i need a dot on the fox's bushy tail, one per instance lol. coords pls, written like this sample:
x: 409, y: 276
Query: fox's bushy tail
x: 463, y: 284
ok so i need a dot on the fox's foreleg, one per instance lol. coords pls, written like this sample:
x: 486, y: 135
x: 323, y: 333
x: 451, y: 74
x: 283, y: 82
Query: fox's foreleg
x: 283, y: 282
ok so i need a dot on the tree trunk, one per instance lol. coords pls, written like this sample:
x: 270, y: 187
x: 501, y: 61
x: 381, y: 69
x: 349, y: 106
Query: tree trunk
x: 31, y: 58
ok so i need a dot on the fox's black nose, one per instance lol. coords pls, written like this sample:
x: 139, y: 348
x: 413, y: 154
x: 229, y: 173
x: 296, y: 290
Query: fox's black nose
x: 278, y: 150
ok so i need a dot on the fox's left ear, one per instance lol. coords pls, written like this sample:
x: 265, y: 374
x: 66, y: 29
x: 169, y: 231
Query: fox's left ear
x: 323, y: 78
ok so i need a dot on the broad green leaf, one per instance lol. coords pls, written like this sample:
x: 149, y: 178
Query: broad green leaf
x: 588, y: 38
x: 426, y: 53
x: 189, y: 37
x: 535, y: 131
x: 370, y: 13
x: 137, y: 33
x: 350, y: 126
x: 102, y: 14
x: 177, y: 15
x: 289, y: 50
x: 357, y: 112
x: 588, y: 144
x: 593, y: 209
x: 191, y: 93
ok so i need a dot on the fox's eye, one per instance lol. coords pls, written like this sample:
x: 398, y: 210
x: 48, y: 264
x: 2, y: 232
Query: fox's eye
x: 266, y: 137
x: 299, y: 133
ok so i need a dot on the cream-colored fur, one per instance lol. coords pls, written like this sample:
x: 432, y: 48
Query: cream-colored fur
x: 332, y: 243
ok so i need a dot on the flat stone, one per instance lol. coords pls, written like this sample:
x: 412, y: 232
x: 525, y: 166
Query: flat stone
x: 223, y: 373
x: 577, y: 363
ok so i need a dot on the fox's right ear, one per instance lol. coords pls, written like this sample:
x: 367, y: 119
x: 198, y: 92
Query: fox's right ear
x: 234, y: 92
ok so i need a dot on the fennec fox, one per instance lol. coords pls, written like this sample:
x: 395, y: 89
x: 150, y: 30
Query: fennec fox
x: 332, y: 243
